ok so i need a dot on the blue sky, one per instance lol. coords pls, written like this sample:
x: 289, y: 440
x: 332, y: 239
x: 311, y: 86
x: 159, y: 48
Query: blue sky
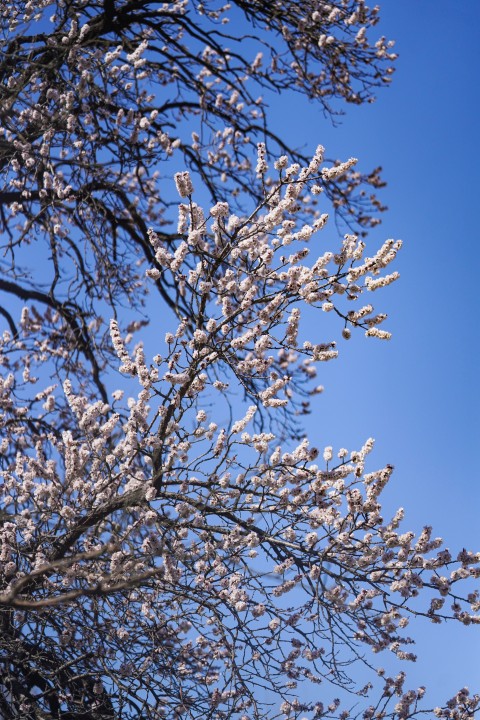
x: 418, y: 395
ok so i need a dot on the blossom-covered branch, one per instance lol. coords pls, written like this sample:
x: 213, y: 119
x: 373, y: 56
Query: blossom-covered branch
x: 102, y: 102
x: 179, y: 553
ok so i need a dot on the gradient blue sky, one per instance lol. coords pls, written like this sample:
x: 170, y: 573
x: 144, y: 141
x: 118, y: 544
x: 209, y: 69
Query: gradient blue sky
x: 418, y: 395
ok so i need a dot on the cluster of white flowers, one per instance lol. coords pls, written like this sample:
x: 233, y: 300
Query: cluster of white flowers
x: 262, y: 166
x: 184, y: 183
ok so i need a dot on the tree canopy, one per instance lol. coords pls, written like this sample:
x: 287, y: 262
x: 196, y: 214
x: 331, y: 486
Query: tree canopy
x: 171, y: 543
x: 102, y: 101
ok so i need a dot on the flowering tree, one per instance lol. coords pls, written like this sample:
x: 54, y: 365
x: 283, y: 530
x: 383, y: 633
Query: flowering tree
x: 101, y: 102
x: 185, y: 552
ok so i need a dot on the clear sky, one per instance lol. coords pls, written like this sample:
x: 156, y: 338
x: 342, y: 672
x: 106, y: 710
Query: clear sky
x: 418, y: 395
